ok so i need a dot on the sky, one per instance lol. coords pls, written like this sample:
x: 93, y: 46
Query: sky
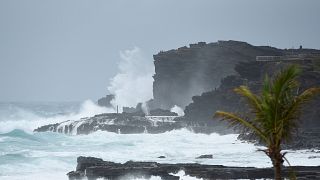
x: 69, y: 50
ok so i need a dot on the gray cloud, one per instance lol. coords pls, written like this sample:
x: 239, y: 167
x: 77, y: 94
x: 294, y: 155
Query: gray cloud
x: 68, y: 50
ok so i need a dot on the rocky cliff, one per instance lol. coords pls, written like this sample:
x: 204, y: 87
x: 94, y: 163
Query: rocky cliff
x: 201, y: 77
x: 251, y: 74
x: 189, y: 71
x: 203, y: 107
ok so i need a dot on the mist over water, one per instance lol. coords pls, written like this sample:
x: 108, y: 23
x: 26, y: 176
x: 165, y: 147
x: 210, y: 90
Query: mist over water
x: 133, y: 83
x: 28, y: 116
x: 177, y: 110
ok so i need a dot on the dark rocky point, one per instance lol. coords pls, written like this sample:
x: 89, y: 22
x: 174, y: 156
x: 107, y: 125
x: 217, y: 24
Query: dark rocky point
x: 313, y: 157
x: 124, y: 123
x: 206, y: 156
x: 94, y: 168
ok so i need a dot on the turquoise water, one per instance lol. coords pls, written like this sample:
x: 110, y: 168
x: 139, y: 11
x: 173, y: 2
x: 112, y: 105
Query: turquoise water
x: 28, y: 155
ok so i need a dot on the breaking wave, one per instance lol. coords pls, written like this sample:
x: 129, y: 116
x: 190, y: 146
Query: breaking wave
x: 48, y: 155
x: 18, y: 116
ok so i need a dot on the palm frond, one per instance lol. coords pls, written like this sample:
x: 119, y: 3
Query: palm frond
x: 233, y: 119
x: 307, y: 95
x: 251, y: 98
x: 285, y: 81
x: 294, y: 110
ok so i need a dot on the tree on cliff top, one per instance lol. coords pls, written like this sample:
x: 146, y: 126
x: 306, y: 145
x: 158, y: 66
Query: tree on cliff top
x: 275, y: 112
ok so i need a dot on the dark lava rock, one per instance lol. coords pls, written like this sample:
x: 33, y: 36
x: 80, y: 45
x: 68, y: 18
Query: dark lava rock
x: 202, y: 77
x: 315, y: 151
x: 206, y: 156
x: 200, y: 112
x: 188, y: 71
x: 94, y: 168
x: 313, y: 157
x: 124, y: 123
x: 161, y: 112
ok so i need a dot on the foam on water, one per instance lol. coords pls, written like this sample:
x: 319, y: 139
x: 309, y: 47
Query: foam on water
x: 177, y: 110
x: 28, y: 155
x: 27, y: 120
x: 52, y: 155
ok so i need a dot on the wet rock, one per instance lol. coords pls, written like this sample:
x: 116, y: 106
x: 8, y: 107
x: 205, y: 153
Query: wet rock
x: 94, y: 168
x: 124, y: 123
x: 206, y: 156
x: 313, y: 157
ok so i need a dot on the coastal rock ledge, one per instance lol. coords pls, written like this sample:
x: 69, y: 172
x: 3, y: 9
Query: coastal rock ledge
x: 94, y: 168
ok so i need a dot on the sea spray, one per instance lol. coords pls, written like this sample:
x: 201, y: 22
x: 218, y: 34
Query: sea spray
x: 133, y: 82
x: 177, y: 110
x: 27, y: 119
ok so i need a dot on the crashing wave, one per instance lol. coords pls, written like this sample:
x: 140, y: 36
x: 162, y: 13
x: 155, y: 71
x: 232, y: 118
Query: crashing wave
x: 124, y: 123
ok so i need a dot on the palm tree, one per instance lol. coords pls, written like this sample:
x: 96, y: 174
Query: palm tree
x: 274, y: 113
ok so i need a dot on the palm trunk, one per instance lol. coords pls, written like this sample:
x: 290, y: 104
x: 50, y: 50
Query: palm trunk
x: 277, y: 169
x: 277, y: 164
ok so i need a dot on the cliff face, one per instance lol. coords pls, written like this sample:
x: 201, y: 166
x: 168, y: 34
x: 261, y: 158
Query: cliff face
x: 189, y: 71
x: 203, y: 107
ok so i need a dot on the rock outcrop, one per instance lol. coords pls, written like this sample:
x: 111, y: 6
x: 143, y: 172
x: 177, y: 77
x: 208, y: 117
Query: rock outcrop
x: 203, y: 107
x: 106, y: 101
x: 251, y: 74
x: 94, y: 168
x: 123, y: 123
x: 189, y: 71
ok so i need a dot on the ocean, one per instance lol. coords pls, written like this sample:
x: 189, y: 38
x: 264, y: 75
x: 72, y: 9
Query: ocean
x: 25, y: 155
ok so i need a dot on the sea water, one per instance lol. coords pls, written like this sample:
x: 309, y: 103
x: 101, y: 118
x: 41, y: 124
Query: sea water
x: 25, y: 155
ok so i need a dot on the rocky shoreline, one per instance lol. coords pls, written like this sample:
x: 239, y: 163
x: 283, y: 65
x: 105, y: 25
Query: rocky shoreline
x: 128, y: 123
x: 94, y: 168
x: 219, y: 68
x: 122, y: 123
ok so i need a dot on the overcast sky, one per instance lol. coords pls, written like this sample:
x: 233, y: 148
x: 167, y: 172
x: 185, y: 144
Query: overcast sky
x: 68, y: 50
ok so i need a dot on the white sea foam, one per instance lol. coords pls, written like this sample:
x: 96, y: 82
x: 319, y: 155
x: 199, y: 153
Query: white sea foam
x: 133, y: 83
x: 28, y: 120
x: 183, y: 176
x: 27, y: 155
x: 177, y: 110
x: 52, y: 155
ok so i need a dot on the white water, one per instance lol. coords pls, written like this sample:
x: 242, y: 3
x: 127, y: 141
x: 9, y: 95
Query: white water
x: 27, y: 155
x: 13, y: 116
x: 133, y: 83
x: 177, y: 110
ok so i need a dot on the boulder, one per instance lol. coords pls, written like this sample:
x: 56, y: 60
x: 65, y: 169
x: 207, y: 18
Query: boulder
x: 206, y: 156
